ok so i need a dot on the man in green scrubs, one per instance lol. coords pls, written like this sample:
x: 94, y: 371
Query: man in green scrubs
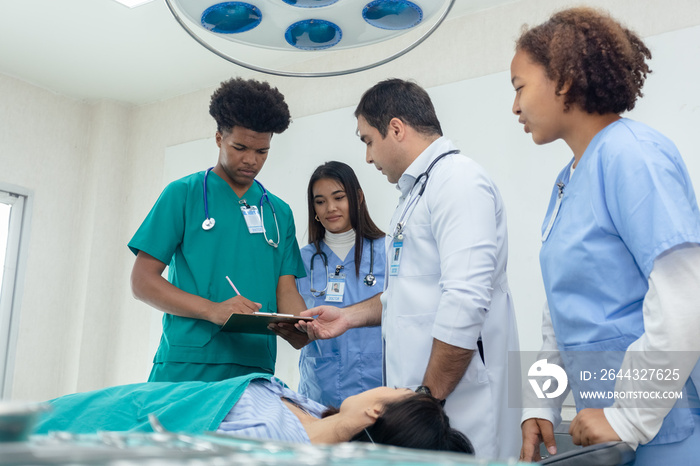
x: 197, y: 299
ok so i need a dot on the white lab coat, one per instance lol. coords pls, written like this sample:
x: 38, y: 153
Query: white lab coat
x: 452, y: 286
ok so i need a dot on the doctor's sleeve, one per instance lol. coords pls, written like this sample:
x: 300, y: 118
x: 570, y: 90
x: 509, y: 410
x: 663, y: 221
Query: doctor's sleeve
x: 463, y: 222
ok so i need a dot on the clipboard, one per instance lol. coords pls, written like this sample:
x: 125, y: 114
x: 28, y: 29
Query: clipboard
x: 258, y: 322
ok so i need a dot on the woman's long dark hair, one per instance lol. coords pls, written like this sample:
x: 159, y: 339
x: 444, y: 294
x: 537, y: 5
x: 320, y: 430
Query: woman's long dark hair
x: 360, y: 220
x: 418, y: 421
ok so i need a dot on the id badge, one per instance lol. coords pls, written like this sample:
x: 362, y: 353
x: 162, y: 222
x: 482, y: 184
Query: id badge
x: 252, y: 219
x: 336, y: 287
x: 395, y: 257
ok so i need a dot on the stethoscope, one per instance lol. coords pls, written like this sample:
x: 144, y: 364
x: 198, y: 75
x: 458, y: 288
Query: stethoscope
x: 370, y: 279
x: 398, y: 231
x: 209, y: 222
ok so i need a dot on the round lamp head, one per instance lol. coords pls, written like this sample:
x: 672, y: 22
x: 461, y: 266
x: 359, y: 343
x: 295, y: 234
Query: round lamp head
x: 277, y: 36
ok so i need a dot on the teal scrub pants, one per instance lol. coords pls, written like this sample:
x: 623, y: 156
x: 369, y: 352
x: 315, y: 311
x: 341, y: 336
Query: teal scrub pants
x: 187, y: 371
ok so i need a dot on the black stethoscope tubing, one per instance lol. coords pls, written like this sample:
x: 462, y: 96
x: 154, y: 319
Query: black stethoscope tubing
x: 369, y: 280
x: 209, y: 222
x: 399, y: 226
x: 324, y: 258
x: 430, y: 167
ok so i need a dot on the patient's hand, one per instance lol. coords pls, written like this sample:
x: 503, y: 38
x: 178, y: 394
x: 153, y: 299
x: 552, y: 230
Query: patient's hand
x: 294, y: 336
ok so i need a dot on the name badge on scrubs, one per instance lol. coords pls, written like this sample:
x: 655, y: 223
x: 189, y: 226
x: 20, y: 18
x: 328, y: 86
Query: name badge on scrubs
x: 252, y: 218
x: 395, y: 257
x: 336, y: 287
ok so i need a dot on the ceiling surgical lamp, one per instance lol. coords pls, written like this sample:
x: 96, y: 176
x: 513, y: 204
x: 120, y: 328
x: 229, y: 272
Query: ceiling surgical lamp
x: 288, y: 37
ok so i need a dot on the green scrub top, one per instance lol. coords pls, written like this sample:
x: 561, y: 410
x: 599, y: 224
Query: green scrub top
x: 191, y: 407
x: 199, y: 261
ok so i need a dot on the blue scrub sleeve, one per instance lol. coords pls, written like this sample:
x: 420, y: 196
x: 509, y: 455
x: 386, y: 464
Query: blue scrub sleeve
x: 650, y: 199
x: 163, y: 228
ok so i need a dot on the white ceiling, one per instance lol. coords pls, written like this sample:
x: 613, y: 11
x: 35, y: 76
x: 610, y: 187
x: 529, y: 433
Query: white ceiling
x: 98, y: 49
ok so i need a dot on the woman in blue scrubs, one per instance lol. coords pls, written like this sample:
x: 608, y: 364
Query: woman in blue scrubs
x: 345, y: 262
x: 620, y: 250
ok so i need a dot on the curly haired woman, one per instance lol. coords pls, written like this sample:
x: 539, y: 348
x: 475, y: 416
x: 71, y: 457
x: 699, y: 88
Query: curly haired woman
x: 620, y: 256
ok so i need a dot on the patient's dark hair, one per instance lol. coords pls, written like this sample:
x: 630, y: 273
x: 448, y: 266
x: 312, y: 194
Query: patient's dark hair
x: 416, y: 422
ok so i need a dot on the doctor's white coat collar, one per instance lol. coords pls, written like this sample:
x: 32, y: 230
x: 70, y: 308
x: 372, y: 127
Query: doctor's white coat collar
x: 418, y: 166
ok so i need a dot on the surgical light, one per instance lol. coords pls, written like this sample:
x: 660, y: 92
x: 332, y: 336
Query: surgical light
x: 313, y: 34
x: 231, y: 17
x: 310, y: 38
x: 310, y: 3
x: 392, y: 15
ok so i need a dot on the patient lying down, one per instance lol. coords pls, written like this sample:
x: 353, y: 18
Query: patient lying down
x: 260, y: 406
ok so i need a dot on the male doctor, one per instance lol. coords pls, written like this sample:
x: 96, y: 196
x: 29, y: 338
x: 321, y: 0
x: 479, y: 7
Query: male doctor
x: 446, y: 313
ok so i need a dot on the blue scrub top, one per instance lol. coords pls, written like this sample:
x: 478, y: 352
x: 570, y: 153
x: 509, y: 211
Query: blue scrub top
x: 331, y: 370
x: 630, y: 199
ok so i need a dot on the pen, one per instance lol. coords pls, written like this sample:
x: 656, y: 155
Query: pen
x: 232, y: 285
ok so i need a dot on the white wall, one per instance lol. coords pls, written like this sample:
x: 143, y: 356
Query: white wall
x: 69, y: 155
x: 96, y: 169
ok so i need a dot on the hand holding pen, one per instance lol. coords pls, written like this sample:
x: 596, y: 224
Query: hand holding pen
x: 236, y: 305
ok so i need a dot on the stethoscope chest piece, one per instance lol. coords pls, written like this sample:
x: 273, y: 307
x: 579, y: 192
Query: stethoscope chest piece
x: 208, y: 224
x: 370, y: 279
